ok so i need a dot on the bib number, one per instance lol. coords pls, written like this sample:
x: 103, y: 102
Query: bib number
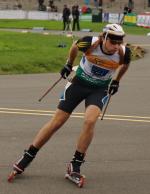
x: 99, y: 71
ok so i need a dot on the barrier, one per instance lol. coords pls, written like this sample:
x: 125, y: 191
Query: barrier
x: 86, y: 17
x: 130, y: 19
x: 35, y: 15
x: 12, y: 14
x: 144, y: 20
x: 114, y: 17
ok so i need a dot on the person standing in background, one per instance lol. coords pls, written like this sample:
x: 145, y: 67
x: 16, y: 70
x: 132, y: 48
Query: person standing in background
x: 130, y: 6
x: 75, y: 15
x: 66, y: 19
x: 41, y: 7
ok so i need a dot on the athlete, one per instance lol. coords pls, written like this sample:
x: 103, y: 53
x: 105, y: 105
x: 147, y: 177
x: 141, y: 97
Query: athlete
x: 104, y: 61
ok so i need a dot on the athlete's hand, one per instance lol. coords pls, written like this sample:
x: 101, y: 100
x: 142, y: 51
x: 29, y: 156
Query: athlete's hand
x: 113, y: 87
x: 66, y: 70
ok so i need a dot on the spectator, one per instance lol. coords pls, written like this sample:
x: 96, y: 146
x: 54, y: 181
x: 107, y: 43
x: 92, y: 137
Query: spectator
x: 52, y: 7
x: 41, y: 2
x: 100, y: 3
x: 51, y: 3
x: 126, y: 10
x: 75, y: 15
x: 42, y: 7
x: 17, y: 5
x: 66, y: 19
x: 148, y: 3
x: 130, y: 6
x: 96, y: 3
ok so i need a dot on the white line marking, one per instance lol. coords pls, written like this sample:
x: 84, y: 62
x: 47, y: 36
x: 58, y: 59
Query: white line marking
x: 74, y: 115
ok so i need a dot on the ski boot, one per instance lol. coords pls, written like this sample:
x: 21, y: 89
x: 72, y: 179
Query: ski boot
x: 20, y: 165
x: 73, y: 174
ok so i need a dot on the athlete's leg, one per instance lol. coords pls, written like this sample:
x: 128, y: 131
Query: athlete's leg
x: 41, y: 138
x: 50, y: 128
x: 94, y: 105
x: 91, y: 115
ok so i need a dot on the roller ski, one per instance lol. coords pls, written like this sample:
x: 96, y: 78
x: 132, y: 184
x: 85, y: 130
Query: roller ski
x: 73, y: 173
x: 76, y: 178
x: 16, y: 171
x: 20, y: 165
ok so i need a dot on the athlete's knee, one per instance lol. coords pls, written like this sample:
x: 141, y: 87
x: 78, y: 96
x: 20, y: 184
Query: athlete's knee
x: 55, y: 123
x: 90, y: 119
x: 90, y: 122
x: 59, y: 119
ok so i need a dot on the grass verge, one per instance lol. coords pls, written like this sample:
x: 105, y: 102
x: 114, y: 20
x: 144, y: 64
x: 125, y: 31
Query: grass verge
x: 36, y: 53
x: 32, y: 53
x: 57, y: 25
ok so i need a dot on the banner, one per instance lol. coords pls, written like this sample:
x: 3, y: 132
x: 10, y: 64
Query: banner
x: 12, y: 14
x: 130, y: 19
x: 34, y: 15
x: 114, y: 18
x: 143, y: 20
x: 86, y: 17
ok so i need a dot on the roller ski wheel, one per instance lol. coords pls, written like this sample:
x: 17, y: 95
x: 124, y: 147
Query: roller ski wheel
x: 76, y: 178
x: 16, y: 171
x: 12, y: 176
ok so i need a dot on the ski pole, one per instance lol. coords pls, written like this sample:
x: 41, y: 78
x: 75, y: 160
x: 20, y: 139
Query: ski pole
x: 106, y: 105
x: 49, y: 89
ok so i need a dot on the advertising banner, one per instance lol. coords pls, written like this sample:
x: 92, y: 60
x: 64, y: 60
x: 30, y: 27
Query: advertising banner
x: 34, y: 15
x: 12, y: 14
x: 114, y: 18
x: 130, y: 19
x: 143, y: 20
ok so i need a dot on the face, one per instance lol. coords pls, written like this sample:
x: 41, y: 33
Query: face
x: 111, y: 46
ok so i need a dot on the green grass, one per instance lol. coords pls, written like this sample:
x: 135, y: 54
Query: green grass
x: 38, y: 53
x: 57, y: 25
x: 31, y: 53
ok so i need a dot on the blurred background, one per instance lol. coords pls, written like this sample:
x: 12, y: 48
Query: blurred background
x: 57, y: 5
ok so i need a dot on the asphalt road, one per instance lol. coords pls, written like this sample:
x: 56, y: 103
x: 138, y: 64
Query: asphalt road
x: 118, y: 160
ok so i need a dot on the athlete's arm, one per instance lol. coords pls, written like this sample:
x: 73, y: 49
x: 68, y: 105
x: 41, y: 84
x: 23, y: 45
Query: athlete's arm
x: 124, y: 67
x: 120, y: 72
x: 80, y: 45
x: 73, y: 52
x: 114, y: 85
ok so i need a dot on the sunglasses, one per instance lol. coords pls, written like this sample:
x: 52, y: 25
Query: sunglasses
x: 114, y: 42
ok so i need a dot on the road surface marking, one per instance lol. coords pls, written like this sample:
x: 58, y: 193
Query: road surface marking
x: 130, y: 118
